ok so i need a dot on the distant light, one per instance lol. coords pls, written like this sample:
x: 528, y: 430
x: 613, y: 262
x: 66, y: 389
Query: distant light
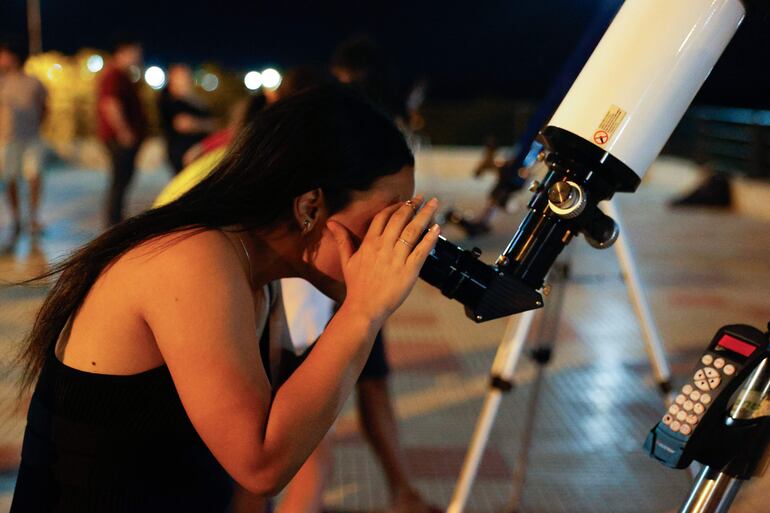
x: 95, y: 63
x: 271, y: 79
x: 209, y: 82
x: 54, y: 71
x: 155, y: 77
x: 253, y: 80
x: 134, y: 73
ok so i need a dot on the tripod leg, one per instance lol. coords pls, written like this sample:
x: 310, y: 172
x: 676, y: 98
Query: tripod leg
x: 541, y: 355
x: 713, y: 492
x: 507, y: 357
x: 652, y: 340
x: 650, y: 334
x: 522, y: 462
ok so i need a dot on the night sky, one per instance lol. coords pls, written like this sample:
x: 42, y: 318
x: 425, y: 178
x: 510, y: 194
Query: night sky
x: 509, y: 48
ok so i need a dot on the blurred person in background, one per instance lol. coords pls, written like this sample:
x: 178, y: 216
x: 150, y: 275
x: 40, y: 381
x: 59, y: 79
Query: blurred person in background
x: 239, y: 111
x: 122, y: 124
x: 361, y: 63
x: 22, y: 110
x: 208, y: 153
x: 184, y: 117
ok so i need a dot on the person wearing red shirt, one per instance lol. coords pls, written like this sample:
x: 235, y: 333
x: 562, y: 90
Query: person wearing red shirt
x: 122, y: 124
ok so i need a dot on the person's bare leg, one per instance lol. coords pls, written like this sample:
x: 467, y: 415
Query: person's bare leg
x: 35, y: 191
x: 13, y: 202
x: 488, y: 214
x: 305, y: 491
x: 379, y: 426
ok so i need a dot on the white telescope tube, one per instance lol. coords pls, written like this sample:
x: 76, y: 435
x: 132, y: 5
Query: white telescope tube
x: 644, y: 73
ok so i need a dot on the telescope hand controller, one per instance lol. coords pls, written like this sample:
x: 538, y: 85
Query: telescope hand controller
x: 700, y: 425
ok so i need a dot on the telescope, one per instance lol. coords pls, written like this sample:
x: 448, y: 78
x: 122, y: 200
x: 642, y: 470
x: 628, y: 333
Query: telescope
x: 605, y: 134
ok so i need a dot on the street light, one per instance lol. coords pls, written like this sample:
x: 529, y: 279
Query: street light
x: 95, y: 63
x: 155, y: 77
x: 271, y: 79
x: 209, y: 82
x: 253, y: 80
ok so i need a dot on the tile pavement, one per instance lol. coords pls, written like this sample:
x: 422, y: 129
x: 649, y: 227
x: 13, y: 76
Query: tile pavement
x: 701, y: 268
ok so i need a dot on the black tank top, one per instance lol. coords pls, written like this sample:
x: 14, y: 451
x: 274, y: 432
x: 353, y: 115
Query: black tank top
x: 97, y: 443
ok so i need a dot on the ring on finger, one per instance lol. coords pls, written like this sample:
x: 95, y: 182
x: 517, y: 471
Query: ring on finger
x: 405, y: 243
x: 410, y: 204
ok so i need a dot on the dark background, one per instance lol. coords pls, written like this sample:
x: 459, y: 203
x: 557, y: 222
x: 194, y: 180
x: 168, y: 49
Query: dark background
x: 489, y: 48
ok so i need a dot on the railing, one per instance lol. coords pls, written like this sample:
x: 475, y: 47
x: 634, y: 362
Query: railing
x: 728, y: 140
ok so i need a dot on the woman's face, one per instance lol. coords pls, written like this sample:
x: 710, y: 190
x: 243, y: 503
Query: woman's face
x: 356, y: 217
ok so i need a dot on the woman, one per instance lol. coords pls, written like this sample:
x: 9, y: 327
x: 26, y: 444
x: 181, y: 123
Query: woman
x: 152, y: 392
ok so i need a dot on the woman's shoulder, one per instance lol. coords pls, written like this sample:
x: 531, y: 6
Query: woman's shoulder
x: 201, y: 264
x: 188, y: 253
x: 199, y: 240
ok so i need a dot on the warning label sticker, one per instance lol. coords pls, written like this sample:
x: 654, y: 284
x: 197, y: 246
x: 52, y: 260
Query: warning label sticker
x: 612, y: 120
x: 601, y: 137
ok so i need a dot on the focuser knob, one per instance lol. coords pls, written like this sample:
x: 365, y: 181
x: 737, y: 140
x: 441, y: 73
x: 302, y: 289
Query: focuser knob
x: 566, y: 199
x: 600, y: 230
x: 560, y: 193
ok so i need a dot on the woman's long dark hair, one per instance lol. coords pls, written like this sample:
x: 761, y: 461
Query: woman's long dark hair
x: 327, y: 138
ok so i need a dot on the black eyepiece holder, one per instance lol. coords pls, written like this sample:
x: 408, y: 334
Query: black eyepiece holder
x: 580, y: 175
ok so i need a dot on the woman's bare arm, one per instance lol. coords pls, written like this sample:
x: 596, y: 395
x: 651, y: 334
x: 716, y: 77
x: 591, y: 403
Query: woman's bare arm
x: 201, y: 312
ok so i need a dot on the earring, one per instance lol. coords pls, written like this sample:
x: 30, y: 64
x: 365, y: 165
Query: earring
x: 306, y: 228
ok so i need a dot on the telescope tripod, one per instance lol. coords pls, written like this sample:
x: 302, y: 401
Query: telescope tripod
x: 509, y: 353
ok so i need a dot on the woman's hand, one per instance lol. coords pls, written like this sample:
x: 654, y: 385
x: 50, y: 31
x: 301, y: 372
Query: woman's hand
x: 381, y: 273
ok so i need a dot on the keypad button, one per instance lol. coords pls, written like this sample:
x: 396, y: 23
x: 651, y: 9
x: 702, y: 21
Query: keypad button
x: 675, y: 425
x: 705, y: 398
x: 698, y: 408
x: 702, y: 384
x: 711, y: 373
x: 667, y: 419
x: 695, y: 395
x: 719, y: 363
x: 687, y: 389
x: 714, y: 383
x: 687, y: 406
x: 729, y: 369
x: 692, y: 419
x: 674, y: 409
x: 680, y: 399
x: 681, y: 415
x: 685, y: 430
x: 707, y: 359
x: 699, y: 374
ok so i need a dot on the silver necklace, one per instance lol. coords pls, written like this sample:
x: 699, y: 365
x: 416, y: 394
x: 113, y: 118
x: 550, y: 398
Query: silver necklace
x: 248, y: 259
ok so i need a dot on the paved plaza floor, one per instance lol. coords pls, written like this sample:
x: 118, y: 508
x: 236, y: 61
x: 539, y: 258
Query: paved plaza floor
x: 701, y: 268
